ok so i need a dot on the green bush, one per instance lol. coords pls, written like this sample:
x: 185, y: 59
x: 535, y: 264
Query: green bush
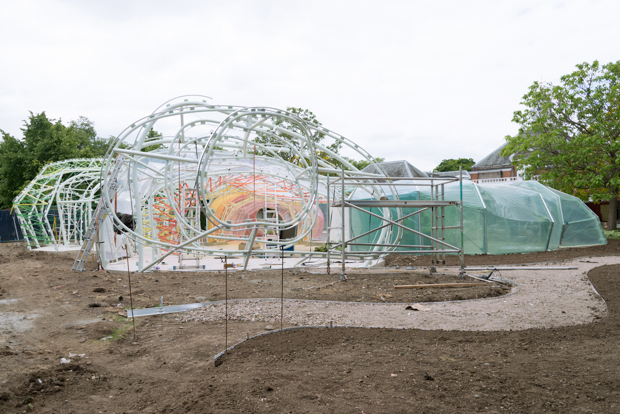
x: 612, y: 234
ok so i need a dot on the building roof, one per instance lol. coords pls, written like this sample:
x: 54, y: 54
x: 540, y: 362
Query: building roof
x: 455, y: 174
x: 493, y: 160
x: 400, y: 168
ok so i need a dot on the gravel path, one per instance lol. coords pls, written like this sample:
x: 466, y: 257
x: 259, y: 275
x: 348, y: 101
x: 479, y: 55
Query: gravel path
x: 544, y: 299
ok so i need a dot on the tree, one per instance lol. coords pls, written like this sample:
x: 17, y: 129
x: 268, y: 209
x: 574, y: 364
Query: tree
x: 90, y: 145
x: 83, y: 131
x: 99, y: 146
x: 152, y: 136
x: 453, y: 165
x: 360, y: 165
x: 12, y: 172
x: 569, y: 134
x: 288, y: 155
x: 45, y: 140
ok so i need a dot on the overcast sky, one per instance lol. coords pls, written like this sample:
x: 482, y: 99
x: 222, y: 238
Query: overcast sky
x: 414, y: 80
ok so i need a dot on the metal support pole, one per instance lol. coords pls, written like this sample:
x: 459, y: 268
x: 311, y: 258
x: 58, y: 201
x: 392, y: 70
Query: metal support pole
x: 343, y: 275
x: 282, y: 291
x: 462, y: 252
x: 433, y: 225
x: 249, y: 247
x: 486, y: 246
x: 442, y: 211
x: 226, y: 300
x: 328, y: 221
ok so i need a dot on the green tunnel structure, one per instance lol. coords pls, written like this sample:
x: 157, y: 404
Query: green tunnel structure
x: 511, y: 217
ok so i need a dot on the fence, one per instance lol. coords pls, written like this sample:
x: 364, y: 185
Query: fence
x: 9, y: 227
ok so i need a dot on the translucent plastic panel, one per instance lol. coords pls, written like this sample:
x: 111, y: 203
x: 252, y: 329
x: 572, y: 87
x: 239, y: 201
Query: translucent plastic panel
x: 517, y: 220
x: 473, y: 217
x: 553, y: 202
x: 583, y: 233
x: 514, y: 203
x: 516, y: 217
x: 413, y: 222
x: 514, y: 236
x: 362, y: 223
x: 581, y: 226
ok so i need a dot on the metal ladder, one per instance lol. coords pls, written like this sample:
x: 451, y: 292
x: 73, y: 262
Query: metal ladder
x: 100, y: 212
x: 189, y: 206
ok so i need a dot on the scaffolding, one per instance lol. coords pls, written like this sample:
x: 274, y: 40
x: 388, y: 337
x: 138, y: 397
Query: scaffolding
x: 392, y: 219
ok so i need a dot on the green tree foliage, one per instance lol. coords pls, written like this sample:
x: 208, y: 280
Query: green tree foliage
x: 152, y: 136
x: 45, y: 140
x: 99, y: 146
x: 90, y: 145
x: 569, y: 134
x: 12, y: 172
x: 360, y: 165
x: 287, y: 154
x: 453, y: 165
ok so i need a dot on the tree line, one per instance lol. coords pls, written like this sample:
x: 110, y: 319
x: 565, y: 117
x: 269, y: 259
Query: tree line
x: 569, y: 134
x: 44, y: 141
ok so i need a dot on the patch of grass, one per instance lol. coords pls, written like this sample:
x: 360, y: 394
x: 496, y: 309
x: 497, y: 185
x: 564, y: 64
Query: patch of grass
x: 119, y: 318
x: 119, y: 332
x: 323, y: 248
x: 612, y: 234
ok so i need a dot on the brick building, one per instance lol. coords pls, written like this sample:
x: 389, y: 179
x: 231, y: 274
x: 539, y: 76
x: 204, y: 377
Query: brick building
x: 494, y: 167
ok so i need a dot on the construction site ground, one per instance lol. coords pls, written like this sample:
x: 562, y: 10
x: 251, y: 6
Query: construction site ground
x: 66, y: 346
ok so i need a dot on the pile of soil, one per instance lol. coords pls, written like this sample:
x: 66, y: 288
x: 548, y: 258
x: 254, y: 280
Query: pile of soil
x: 362, y: 286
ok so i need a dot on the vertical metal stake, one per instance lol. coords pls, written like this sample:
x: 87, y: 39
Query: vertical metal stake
x: 343, y: 276
x: 462, y: 252
x: 226, y: 301
x: 133, y: 318
x: 329, y: 223
x: 433, y: 244
x: 282, y: 291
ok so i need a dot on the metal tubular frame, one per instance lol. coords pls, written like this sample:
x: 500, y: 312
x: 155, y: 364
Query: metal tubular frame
x: 236, y: 158
x: 70, y: 185
x: 437, y: 204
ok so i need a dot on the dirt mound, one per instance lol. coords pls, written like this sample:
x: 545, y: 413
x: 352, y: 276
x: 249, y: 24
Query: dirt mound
x: 29, y: 389
x: 382, y: 370
x: 35, y: 255
x: 99, y: 330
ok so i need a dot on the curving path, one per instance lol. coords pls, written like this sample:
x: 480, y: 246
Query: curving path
x: 544, y: 299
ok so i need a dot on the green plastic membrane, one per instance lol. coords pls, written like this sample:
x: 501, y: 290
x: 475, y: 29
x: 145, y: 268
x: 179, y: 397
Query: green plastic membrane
x: 511, y: 217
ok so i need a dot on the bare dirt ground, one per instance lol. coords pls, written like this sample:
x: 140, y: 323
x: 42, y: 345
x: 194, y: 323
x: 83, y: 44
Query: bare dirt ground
x: 45, y: 316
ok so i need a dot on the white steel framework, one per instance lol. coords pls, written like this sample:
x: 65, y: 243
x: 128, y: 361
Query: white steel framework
x: 259, y: 176
x: 56, y: 206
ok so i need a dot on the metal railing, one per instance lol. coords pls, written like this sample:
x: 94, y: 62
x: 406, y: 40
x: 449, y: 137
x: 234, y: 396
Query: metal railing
x: 501, y: 180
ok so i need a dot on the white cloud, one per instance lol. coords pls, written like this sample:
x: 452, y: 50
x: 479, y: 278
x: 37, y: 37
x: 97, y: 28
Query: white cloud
x: 420, y: 81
